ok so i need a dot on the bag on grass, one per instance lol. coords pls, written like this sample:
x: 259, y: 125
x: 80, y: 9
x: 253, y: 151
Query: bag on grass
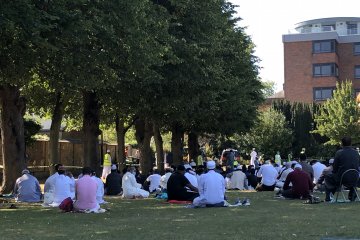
x: 67, y: 205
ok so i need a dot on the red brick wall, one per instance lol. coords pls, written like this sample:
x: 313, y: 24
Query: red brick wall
x: 298, y: 66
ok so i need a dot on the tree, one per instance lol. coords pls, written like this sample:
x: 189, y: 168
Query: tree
x: 300, y: 118
x: 21, y: 28
x: 339, y: 116
x: 270, y: 134
x: 268, y: 88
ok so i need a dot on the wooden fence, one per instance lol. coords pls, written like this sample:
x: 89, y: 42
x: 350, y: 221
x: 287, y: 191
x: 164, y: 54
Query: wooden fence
x: 70, y: 154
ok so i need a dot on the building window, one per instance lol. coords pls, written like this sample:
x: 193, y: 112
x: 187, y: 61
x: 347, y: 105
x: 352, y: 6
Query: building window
x: 352, y: 28
x: 322, y: 94
x: 324, y: 46
x: 328, y: 28
x: 325, y: 70
x: 357, y: 71
x: 357, y: 48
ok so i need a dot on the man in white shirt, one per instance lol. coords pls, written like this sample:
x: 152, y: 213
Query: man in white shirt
x: 154, y: 180
x: 132, y: 189
x: 253, y: 156
x: 164, y: 178
x: 211, y: 188
x: 62, y: 187
x: 318, y: 168
x: 99, y: 188
x: 191, y: 175
x: 268, y: 174
x: 49, y: 187
x: 283, y: 174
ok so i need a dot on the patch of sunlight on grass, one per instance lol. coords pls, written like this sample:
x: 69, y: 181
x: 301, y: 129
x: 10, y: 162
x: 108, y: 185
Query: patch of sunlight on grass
x: 102, y: 232
x: 183, y: 220
x: 8, y: 210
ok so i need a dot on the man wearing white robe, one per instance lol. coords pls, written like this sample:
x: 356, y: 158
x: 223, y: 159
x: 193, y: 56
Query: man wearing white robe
x: 211, y: 187
x: 49, y: 187
x: 132, y: 189
x: 62, y: 187
x: 253, y: 156
x: 318, y: 168
x: 100, y: 188
x: 164, y: 178
x: 191, y: 175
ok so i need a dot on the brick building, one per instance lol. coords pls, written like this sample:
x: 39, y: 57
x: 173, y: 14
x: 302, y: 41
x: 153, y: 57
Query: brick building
x: 319, y: 54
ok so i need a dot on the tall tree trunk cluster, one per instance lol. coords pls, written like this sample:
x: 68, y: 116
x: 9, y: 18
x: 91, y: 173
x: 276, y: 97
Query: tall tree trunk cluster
x: 12, y: 135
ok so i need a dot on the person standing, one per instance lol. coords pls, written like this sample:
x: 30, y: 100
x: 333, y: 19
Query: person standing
x: 106, y: 164
x: 27, y: 188
x: 253, y: 156
x: 230, y: 160
x: 278, y: 158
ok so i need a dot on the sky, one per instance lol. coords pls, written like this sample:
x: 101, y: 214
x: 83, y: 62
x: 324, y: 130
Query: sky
x: 268, y: 20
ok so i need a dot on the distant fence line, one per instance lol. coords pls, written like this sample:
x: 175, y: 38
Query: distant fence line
x: 70, y: 154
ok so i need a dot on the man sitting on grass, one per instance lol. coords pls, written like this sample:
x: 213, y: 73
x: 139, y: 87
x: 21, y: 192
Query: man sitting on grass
x: 132, y: 189
x: 177, y: 186
x: 49, y: 187
x: 86, y: 192
x: 301, y: 184
x: 113, y: 182
x: 27, y: 188
x: 211, y: 188
x: 268, y: 174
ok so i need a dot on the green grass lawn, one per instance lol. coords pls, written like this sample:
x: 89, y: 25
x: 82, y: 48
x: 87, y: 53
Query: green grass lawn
x: 266, y: 218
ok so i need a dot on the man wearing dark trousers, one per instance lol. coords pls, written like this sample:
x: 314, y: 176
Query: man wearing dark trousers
x: 345, y: 159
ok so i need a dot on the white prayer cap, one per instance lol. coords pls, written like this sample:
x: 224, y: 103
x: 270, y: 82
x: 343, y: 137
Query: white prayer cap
x: 108, y: 150
x: 331, y: 161
x: 288, y: 164
x: 193, y: 164
x: 298, y: 166
x: 113, y: 167
x: 210, y: 164
x: 25, y: 171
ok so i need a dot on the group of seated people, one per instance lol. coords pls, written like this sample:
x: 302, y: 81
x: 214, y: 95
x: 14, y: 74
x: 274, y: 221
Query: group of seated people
x: 204, y: 185
x: 298, y: 179
x: 87, y: 191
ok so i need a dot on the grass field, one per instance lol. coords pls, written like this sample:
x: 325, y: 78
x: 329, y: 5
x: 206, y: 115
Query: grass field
x: 266, y: 218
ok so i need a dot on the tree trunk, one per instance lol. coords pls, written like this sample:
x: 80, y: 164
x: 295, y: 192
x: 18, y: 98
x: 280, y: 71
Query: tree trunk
x: 159, y: 148
x: 177, y: 144
x: 12, y: 135
x: 55, y: 132
x: 143, y: 137
x: 91, y: 130
x: 193, y: 145
x: 120, y: 135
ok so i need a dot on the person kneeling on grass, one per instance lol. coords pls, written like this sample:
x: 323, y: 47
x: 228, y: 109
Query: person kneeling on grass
x: 132, y: 189
x: 211, y: 188
x: 86, y: 188
x: 301, y: 184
